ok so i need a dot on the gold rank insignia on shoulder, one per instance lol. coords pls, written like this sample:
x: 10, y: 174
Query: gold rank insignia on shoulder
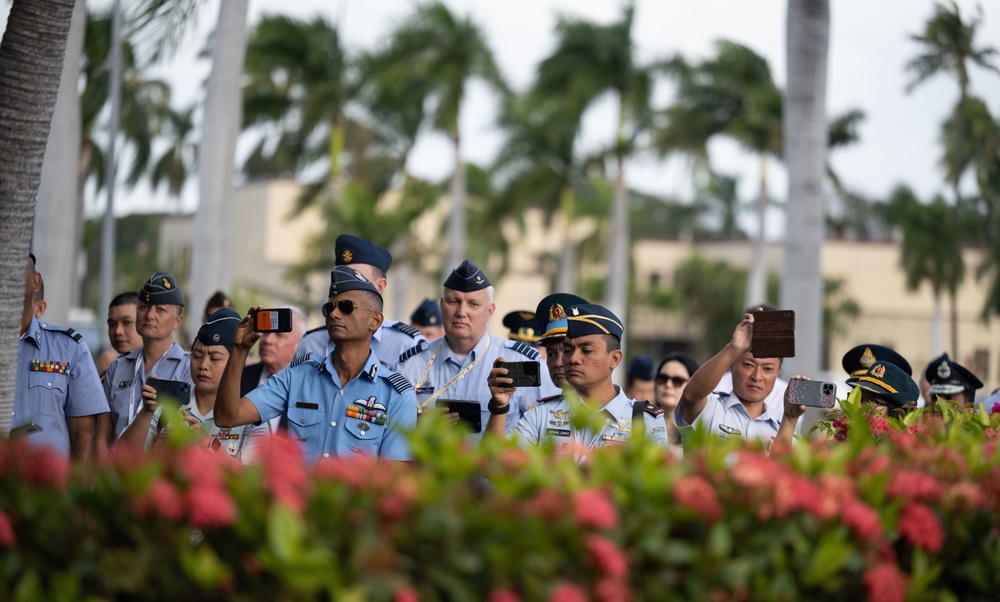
x: 347, y: 256
x: 49, y: 366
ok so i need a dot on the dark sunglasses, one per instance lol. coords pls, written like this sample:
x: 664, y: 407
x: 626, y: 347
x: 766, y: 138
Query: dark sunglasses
x: 346, y: 307
x: 677, y: 381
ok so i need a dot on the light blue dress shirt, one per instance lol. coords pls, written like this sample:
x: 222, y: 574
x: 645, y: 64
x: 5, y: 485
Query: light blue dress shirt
x: 370, y: 414
x: 56, y: 379
x: 123, y: 381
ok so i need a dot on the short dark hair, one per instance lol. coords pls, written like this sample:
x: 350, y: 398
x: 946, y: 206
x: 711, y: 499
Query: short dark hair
x: 374, y: 300
x: 689, y: 363
x: 126, y: 298
x: 218, y: 299
x: 613, y: 343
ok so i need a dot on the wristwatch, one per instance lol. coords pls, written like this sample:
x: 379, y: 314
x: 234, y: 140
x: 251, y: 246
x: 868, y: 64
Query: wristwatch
x: 494, y: 408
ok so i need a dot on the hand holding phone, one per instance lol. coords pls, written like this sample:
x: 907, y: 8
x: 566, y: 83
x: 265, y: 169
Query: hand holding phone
x: 272, y: 320
x: 469, y: 412
x: 812, y: 393
x: 177, y: 391
x: 524, y: 374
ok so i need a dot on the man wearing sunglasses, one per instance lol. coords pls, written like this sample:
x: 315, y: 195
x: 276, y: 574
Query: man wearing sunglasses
x: 338, y: 405
x: 456, y: 366
x: 393, y: 338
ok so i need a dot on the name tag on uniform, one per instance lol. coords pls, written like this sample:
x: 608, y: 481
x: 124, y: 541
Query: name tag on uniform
x: 728, y: 430
x: 307, y: 405
x: 125, y: 384
x: 558, y: 432
x: 424, y: 390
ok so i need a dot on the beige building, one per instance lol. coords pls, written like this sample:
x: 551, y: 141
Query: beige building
x: 270, y: 242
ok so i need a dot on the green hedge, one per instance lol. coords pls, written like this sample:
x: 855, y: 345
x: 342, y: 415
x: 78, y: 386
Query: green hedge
x: 900, y: 510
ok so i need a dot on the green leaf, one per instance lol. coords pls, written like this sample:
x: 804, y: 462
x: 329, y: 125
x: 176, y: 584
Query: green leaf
x: 285, y: 530
x: 827, y: 560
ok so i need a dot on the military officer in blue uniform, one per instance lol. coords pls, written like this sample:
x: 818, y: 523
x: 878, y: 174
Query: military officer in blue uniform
x: 594, y: 412
x: 393, y: 339
x: 457, y: 365
x: 209, y: 355
x: 340, y: 404
x: 57, y: 398
x: 159, y: 313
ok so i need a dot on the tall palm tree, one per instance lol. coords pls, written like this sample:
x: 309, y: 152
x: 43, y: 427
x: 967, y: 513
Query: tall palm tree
x: 805, y: 141
x: 180, y: 158
x: 590, y: 60
x: 31, y: 61
x: 297, y: 89
x: 949, y: 47
x: 216, y: 162
x: 446, y: 51
x: 58, y: 209
x: 730, y: 94
x: 930, y: 250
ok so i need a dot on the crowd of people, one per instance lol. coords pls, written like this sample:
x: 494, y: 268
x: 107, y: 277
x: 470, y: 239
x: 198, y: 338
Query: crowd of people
x: 361, y: 381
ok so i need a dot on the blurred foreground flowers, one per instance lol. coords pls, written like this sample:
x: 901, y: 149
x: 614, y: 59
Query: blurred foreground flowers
x: 901, y: 509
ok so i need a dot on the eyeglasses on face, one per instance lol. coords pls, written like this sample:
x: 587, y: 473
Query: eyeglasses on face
x: 677, y: 381
x: 346, y: 307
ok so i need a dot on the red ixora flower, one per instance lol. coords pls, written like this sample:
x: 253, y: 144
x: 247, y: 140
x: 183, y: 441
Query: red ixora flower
x: 567, y: 592
x: 840, y: 428
x: 592, y: 508
x: 285, y: 472
x: 162, y: 498
x: 7, y: 538
x: 996, y: 408
x: 879, y: 425
x: 912, y: 485
x: 210, y: 506
x: 610, y: 590
x: 503, y: 595
x: 885, y: 583
x: 606, y: 556
x: 698, y: 494
x: 862, y: 519
x: 921, y: 527
x: 406, y: 594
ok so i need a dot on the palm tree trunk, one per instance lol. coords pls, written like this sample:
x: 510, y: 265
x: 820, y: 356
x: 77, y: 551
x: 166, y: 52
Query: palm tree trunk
x: 31, y: 62
x: 954, y: 324
x: 937, y: 337
x: 58, y: 227
x: 566, y: 279
x: 808, y: 33
x: 456, y: 226
x: 211, y: 254
x: 619, y: 250
x: 757, y: 275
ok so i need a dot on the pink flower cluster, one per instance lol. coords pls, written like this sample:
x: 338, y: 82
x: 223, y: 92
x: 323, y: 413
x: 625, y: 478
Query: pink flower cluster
x: 885, y: 582
x: 698, y: 494
x: 921, y: 527
x: 285, y: 473
x: 593, y: 508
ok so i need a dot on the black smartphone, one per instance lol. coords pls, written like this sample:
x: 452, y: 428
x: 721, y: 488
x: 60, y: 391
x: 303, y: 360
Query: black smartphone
x: 25, y: 429
x: 773, y: 333
x: 812, y: 393
x: 469, y: 412
x: 524, y: 374
x: 176, y: 390
x: 273, y: 320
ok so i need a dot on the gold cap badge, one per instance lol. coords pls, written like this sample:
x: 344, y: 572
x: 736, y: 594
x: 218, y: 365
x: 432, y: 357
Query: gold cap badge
x: 878, y: 371
x: 166, y: 282
x: 867, y: 358
x: 347, y: 256
x: 556, y: 313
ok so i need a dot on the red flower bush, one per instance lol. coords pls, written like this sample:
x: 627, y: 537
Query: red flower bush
x: 698, y: 494
x: 163, y: 499
x: 285, y: 473
x: 606, y: 557
x: 862, y: 519
x: 921, y: 527
x: 885, y: 583
x: 593, y: 508
x: 567, y: 592
x: 503, y: 595
x: 210, y: 507
x: 910, y: 485
x: 7, y: 538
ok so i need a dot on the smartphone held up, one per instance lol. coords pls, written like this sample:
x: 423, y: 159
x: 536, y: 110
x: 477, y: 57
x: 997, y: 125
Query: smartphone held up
x: 812, y: 393
x: 272, y: 320
x: 773, y: 333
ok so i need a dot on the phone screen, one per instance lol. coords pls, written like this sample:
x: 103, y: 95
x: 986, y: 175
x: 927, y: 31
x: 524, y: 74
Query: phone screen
x: 273, y: 320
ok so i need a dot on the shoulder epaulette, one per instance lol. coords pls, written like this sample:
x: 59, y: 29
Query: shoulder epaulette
x: 399, y: 382
x: 317, y: 329
x: 70, y: 332
x: 73, y: 334
x: 420, y: 346
x: 650, y: 409
x: 549, y: 398
x: 407, y: 329
x: 301, y: 359
x: 524, y: 349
